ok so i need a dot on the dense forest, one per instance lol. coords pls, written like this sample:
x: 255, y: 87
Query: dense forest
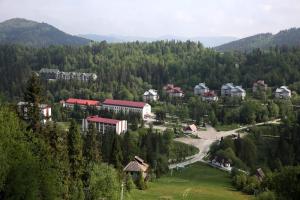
x: 125, y: 70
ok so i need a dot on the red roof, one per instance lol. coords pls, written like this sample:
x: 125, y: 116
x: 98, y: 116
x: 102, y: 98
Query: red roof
x: 83, y: 102
x: 102, y: 120
x: 209, y: 94
x: 134, y: 104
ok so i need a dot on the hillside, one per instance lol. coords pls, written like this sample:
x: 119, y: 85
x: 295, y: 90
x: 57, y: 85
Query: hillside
x: 26, y: 32
x: 264, y: 41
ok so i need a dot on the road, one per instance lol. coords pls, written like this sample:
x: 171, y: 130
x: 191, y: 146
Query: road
x: 206, y: 139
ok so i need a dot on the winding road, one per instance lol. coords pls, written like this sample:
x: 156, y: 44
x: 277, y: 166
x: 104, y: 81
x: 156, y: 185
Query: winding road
x: 206, y: 138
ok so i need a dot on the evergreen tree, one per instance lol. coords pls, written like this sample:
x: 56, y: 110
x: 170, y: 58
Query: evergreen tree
x: 91, y: 147
x: 33, y: 98
x: 116, y: 157
x: 75, y: 151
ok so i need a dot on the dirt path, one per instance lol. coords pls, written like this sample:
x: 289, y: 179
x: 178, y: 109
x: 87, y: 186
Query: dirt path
x: 206, y: 138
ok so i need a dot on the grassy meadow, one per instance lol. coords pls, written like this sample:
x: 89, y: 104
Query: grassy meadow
x: 195, y: 182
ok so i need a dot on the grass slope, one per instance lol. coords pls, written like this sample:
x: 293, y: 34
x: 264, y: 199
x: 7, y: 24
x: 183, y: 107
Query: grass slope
x: 196, y: 182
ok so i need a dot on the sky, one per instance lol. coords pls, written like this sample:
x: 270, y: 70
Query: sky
x: 155, y: 18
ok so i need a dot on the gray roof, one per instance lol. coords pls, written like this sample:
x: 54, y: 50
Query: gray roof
x: 47, y: 70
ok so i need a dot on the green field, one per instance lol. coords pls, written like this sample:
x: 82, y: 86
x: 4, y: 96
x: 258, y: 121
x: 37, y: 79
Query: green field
x: 196, y: 182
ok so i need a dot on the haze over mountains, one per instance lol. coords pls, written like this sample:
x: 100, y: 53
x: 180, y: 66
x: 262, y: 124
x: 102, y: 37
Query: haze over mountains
x: 27, y: 32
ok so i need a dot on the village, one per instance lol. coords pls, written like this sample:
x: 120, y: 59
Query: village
x: 144, y: 110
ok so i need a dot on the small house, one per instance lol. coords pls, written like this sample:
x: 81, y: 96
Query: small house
x: 150, y: 95
x: 259, y: 85
x: 173, y: 91
x: 229, y: 89
x: 201, y: 89
x: 137, y: 166
x: 283, y: 93
x: 190, y: 128
x: 209, y: 96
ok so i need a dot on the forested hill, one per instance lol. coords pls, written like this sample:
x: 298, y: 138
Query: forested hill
x: 126, y: 70
x: 290, y: 38
x: 26, y: 32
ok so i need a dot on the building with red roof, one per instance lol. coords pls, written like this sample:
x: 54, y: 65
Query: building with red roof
x: 127, y: 106
x: 209, y: 96
x: 105, y: 124
x: 173, y: 91
x: 83, y: 103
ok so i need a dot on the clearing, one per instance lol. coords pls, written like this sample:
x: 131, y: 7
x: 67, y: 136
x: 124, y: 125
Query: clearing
x: 196, y: 182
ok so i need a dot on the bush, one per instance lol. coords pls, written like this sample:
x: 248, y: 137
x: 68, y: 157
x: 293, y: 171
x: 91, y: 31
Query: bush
x: 267, y: 195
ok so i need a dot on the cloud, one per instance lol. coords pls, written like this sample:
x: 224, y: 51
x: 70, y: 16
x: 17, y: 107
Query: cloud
x: 154, y: 18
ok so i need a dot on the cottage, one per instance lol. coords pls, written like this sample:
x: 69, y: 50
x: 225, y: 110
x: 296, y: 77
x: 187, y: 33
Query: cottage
x: 142, y: 108
x: 190, y: 128
x: 83, y: 103
x: 150, y: 95
x: 173, y: 92
x: 201, y: 89
x: 45, y: 111
x: 209, y: 96
x: 259, y: 85
x: 104, y: 124
x: 283, y: 93
x: 137, y: 166
x: 229, y: 89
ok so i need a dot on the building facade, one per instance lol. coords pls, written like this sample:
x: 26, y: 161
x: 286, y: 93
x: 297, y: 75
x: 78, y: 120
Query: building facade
x: 141, y: 108
x: 45, y: 111
x: 55, y: 74
x: 104, y: 124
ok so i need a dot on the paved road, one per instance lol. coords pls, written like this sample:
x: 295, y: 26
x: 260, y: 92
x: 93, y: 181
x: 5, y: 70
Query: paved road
x: 207, y: 137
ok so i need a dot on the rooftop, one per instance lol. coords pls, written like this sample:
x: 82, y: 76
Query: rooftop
x: 102, y: 120
x: 135, y: 104
x: 83, y: 102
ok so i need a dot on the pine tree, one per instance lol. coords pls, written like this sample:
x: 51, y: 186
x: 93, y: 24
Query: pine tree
x: 91, y: 147
x: 75, y: 151
x: 116, y: 157
x: 33, y: 98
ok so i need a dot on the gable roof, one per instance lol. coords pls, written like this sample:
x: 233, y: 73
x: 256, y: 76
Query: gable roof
x: 102, y: 120
x: 137, y: 165
x: 201, y: 86
x: 283, y: 89
x: 191, y: 127
x: 83, y: 102
x: 135, y: 104
x: 210, y: 94
x: 47, y: 70
x: 151, y: 92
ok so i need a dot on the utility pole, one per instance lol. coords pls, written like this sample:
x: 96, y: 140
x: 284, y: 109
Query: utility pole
x: 122, y: 191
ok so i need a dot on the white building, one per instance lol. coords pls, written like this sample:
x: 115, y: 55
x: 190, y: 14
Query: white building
x: 283, y: 93
x: 200, y: 89
x: 150, y: 95
x: 229, y: 89
x: 142, y: 108
x: 105, y: 124
x: 55, y: 74
x: 45, y: 111
x: 83, y: 103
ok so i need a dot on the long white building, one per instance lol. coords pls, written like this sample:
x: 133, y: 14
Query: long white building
x: 105, y: 124
x: 127, y: 106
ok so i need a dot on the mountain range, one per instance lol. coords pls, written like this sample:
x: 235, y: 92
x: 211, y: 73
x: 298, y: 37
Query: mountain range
x: 290, y: 37
x: 27, y: 32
